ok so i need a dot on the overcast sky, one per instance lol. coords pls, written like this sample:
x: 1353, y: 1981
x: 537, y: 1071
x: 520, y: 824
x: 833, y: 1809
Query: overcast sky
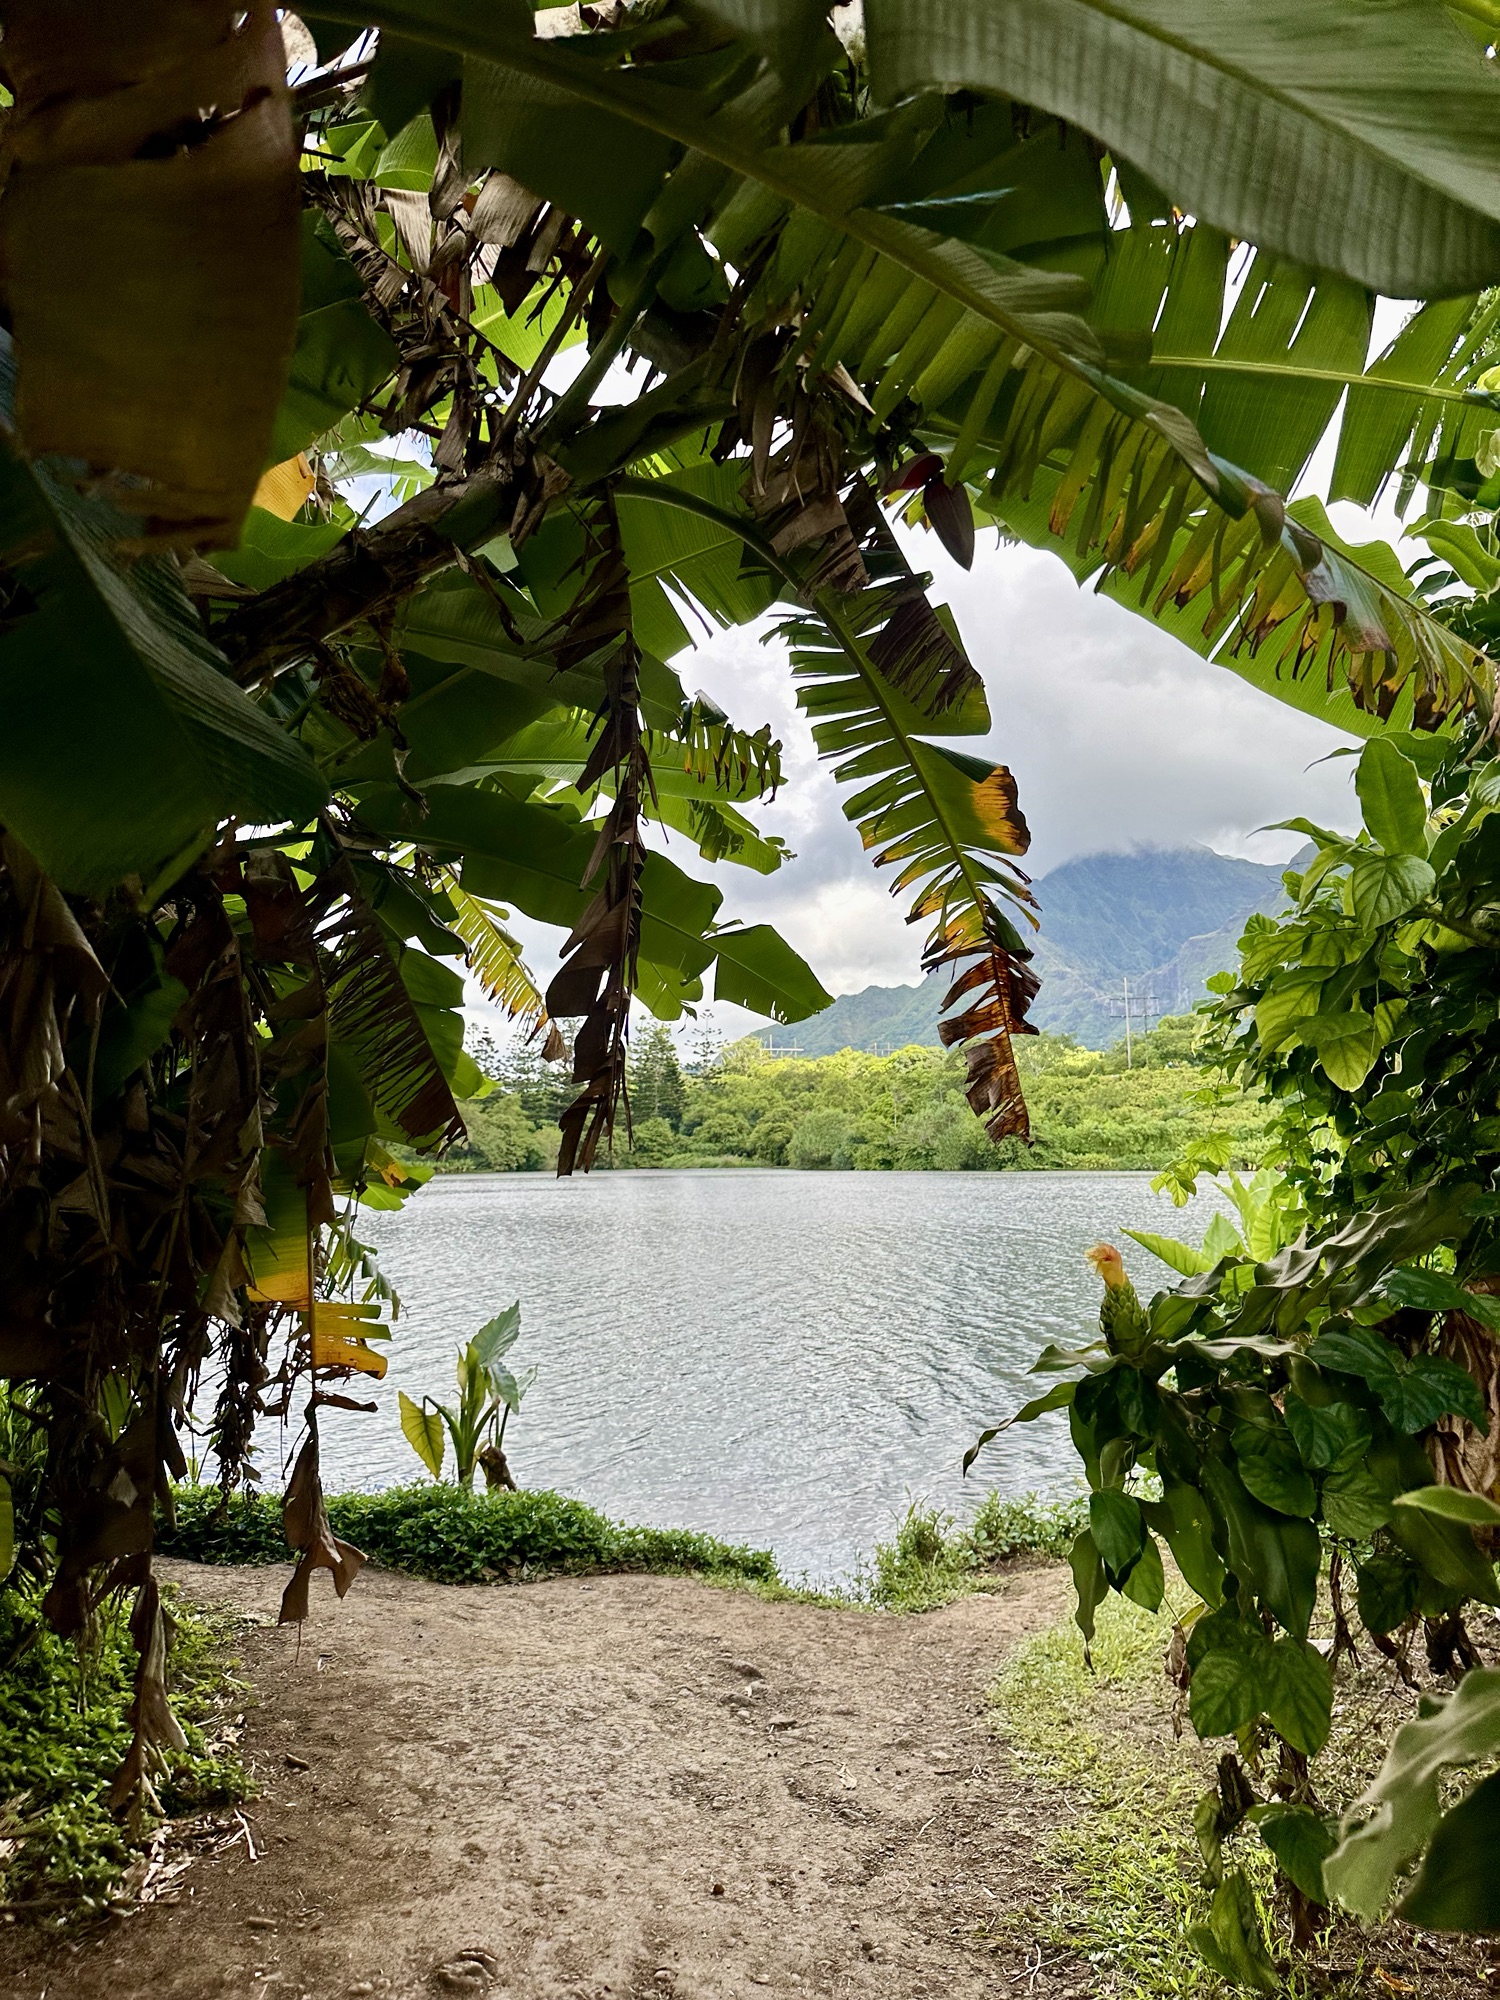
x: 1118, y: 738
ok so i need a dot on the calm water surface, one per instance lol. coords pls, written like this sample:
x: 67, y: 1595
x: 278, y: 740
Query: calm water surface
x: 779, y: 1358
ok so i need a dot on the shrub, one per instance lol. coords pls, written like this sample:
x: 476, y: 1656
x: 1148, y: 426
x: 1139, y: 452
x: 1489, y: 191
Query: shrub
x: 452, y: 1536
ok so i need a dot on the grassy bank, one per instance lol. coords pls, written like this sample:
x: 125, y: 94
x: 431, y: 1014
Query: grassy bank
x: 450, y: 1536
x: 63, y: 1734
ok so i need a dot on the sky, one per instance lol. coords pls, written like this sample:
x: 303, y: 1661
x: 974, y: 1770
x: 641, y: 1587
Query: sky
x: 1117, y: 736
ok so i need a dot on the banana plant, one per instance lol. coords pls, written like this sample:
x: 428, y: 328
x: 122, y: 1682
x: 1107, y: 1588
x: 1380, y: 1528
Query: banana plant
x: 488, y: 1393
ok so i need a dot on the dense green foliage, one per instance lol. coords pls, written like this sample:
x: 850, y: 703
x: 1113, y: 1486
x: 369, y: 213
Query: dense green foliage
x: 907, y: 1111
x: 455, y: 1536
x: 64, y: 1735
x: 1316, y: 1396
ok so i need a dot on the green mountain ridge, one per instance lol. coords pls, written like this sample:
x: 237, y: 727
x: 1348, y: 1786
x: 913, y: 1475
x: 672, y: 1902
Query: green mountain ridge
x: 1160, y: 919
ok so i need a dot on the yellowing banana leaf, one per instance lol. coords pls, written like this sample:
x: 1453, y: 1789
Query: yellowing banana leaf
x: 338, y: 1339
x: 283, y: 490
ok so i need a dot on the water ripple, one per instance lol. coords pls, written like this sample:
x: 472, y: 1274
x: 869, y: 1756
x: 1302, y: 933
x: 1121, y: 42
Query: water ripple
x: 776, y: 1357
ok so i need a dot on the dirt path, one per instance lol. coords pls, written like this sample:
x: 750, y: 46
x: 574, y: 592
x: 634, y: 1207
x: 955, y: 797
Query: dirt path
x: 603, y: 1790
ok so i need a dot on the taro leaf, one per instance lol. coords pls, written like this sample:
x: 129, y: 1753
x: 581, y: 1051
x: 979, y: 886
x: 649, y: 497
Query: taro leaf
x: 952, y: 515
x: 1231, y: 1940
x: 498, y: 1336
x: 1458, y: 1886
x: 1117, y: 1528
x: 1390, y: 797
x: 1355, y: 1503
x: 1324, y: 1433
x: 1385, y: 886
x: 155, y: 345
x: 123, y: 738
x: 1221, y: 1239
x: 1146, y: 1584
x: 1301, y: 1841
x: 1403, y: 1802
x: 1387, y: 1591
x: 1090, y: 1583
x: 1301, y: 1704
x: 423, y: 1430
x: 1450, y: 1503
x: 1270, y: 1467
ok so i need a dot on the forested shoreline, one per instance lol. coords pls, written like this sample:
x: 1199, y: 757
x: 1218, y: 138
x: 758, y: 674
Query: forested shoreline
x: 738, y: 1105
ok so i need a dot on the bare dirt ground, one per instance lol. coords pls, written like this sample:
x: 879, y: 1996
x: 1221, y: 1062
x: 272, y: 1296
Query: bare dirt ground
x: 603, y: 1790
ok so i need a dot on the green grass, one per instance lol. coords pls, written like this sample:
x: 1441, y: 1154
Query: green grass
x: 936, y: 1558
x: 63, y: 1734
x: 450, y: 1536
x: 1127, y: 1849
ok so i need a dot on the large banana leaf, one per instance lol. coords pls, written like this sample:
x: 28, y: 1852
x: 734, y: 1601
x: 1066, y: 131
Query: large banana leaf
x: 916, y: 313
x: 536, y: 857
x: 123, y: 741
x: 1364, y: 143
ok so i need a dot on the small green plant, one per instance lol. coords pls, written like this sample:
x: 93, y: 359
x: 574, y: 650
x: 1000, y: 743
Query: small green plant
x: 934, y: 1558
x: 487, y: 1394
x: 63, y: 1733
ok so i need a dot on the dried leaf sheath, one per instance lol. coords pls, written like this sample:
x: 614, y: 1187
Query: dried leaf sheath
x: 598, y: 972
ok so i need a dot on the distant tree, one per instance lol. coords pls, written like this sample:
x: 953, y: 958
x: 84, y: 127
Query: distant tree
x: 656, y: 1083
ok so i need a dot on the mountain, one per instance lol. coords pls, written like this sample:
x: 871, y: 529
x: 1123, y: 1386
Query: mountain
x: 1162, y: 919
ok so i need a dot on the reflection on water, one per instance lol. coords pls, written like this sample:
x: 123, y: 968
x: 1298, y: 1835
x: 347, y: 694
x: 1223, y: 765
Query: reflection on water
x: 779, y: 1358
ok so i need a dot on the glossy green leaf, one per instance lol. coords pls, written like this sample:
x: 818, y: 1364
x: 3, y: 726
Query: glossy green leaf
x: 1390, y: 1824
x: 1146, y: 1583
x: 1387, y: 886
x: 123, y: 740
x: 1117, y: 1528
x: 1390, y: 798
x: 1301, y: 1841
x: 1451, y: 1503
x: 1269, y: 1464
x: 1301, y: 1703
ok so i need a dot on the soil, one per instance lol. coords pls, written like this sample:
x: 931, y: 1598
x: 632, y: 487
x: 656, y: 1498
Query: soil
x: 604, y: 1789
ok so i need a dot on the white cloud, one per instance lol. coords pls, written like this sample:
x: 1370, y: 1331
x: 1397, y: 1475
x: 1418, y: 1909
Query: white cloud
x: 1118, y: 737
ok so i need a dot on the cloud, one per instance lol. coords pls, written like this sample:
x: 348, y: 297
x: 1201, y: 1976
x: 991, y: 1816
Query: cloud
x: 1118, y: 738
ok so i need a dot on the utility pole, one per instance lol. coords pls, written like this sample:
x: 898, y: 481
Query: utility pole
x: 1125, y: 982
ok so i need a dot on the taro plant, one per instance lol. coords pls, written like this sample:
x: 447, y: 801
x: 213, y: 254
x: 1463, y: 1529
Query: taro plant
x: 487, y: 1394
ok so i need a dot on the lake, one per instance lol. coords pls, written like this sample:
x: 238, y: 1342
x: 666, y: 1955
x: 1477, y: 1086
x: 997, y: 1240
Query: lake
x: 779, y: 1358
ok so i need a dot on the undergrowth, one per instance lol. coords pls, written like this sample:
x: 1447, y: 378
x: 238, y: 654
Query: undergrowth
x: 452, y: 1536
x: 63, y: 1734
x: 1129, y: 1854
x: 935, y: 1558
